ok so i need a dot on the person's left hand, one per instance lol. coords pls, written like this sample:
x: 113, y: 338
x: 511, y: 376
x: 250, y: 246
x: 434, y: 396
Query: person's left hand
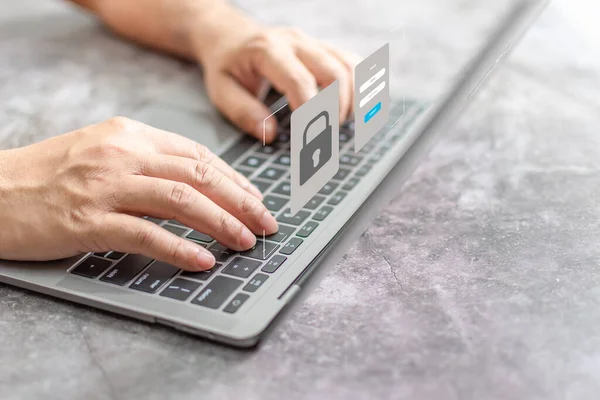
x: 237, y: 60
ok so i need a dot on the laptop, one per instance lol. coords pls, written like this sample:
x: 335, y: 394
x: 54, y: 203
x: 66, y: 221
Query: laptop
x: 239, y: 300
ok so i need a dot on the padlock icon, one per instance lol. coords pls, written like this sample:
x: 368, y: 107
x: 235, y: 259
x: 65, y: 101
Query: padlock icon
x: 316, y: 152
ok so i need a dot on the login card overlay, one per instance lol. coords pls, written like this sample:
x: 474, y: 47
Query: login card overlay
x: 314, y: 146
x: 371, y: 96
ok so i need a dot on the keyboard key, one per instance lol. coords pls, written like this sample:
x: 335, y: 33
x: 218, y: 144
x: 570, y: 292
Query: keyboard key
x: 261, y: 250
x: 180, y: 289
x: 255, y: 283
x: 274, y: 203
x: 253, y: 162
x: 337, y: 198
x: 307, y: 229
x: 273, y: 264
x: 236, y: 303
x: 322, y: 213
x: 126, y: 269
x: 241, y: 267
x: 102, y: 254
x: 287, y: 218
x: 217, y: 291
x: 375, y: 159
x: 351, y: 184
x: 344, y: 137
x: 348, y: 159
x: 328, y: 188
x: 283, y: 137
x: 281, y: 235
x: 175, y: 222
x: 201, y: 275
x: 234, y: 152
x: 175, y: 230
x: 155, y: 220
x: 262, y: 185
x: 272, y: 173
x: 115, y: 255
x: 362, y: 171
x: 283, y: 188
x: 314, y: 202
x: 221, y: 252
x: 383, y: 149
x: 283, y: 159
x: 245, y: 172
x: 291, y: 246
x: 341, y: 174
x: 91, y: 267
x: 395, y: 138
x: 154, y: 277
x: 367, y: 148
x: 199, y: 236
x: 266, y: 149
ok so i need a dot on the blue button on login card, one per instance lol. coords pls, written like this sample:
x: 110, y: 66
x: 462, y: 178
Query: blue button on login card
x: 372, y: 112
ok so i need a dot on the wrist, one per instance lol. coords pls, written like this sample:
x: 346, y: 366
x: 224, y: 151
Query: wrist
x: 6, y: 183
x: 214, y: 25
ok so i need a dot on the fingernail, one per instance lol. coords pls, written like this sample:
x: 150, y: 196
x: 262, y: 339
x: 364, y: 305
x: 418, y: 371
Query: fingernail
x: 205, y: 259
x: 269, y: 223
x: 248, y: 239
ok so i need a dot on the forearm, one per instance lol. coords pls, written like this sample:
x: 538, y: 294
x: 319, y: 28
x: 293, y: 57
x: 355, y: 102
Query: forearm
x: 187, y: 28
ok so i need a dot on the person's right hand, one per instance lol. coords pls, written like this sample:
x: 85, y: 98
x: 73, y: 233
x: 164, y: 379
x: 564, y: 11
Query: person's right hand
x: 85, y: 191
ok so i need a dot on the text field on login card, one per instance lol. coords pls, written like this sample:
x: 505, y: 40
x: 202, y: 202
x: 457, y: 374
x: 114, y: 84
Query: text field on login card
x: 365, y: 100
x: 372, y: 80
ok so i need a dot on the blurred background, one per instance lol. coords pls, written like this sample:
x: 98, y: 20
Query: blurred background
x: 479, y: 280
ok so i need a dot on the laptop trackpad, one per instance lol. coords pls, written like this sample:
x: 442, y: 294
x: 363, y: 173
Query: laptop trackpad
x: 205, y: 127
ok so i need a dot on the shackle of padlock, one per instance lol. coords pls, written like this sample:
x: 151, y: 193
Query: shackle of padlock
x: 312, y: 121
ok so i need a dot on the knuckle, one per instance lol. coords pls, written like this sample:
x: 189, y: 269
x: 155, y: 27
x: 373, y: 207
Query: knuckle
x: 206, y: 175
x: 145, y: 238
x: 249, y: 204
x: 204, y: 154
x: 122, y: 124
x: 182, y: 196
x: 298, y: 81
x: 176, y: 250
x: 227, y: 224
x: 296, y: 32
x: 264, y: 40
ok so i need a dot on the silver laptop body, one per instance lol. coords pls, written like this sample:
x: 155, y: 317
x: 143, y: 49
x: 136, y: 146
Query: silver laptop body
x: 414, y: 129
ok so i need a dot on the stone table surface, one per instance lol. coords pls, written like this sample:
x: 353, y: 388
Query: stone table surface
x: 480, y: 280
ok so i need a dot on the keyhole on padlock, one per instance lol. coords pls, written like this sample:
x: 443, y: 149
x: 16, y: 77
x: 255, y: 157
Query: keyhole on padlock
x: 316, y: 157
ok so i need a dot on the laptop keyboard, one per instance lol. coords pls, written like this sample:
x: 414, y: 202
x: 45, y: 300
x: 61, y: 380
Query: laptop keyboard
x: 239, y: 275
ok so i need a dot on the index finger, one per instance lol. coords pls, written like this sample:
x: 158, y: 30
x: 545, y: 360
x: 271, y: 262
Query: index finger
x: 287, y: 74
x: 168, y: 143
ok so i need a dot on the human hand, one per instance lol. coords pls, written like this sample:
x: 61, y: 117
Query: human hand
x: 86, y: 190
x: 236, y: 61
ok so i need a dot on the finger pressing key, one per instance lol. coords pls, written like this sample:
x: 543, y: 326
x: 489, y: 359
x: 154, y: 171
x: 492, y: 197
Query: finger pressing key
x: 176, y: 200
x: 168, y: 143
x: 129, y: 234
x: 216, y: 186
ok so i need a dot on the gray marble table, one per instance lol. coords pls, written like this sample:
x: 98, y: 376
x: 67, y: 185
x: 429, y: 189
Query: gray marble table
x: 480, y: 280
